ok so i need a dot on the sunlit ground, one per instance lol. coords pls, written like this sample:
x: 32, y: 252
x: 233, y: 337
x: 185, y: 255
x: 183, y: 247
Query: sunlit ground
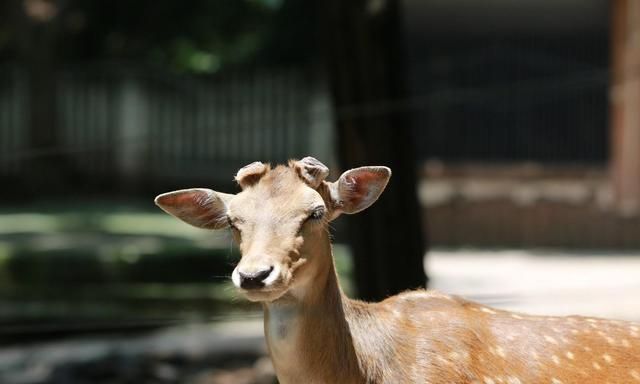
x: 554, y: 282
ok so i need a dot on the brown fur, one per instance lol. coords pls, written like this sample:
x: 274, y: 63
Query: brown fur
x: 315, y: 334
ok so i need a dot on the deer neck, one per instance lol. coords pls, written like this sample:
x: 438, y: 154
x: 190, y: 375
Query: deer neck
x: 307, y: 332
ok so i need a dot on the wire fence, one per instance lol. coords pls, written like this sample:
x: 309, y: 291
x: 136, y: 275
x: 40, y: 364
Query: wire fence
x: 514, y: 100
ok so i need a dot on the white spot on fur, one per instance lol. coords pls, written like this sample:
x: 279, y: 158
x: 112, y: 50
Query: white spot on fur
x: 570, y: 355
x: 607, y: 358
x: 556, y: 359
x: 635, y: 374
x: 444, y: 361
x: 488, y: 380
x: 516, y: 316
x: 550, y: 339
x: 437, y: 295
x: 489, y: 311
x: 513, y: 380
x: 555, y: 381
x: 419, y: 295
x: 596, y: 365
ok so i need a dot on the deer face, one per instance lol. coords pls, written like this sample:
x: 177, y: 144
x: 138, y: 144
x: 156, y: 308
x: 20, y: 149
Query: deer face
x: 278, y: 219
x: 273, y: 221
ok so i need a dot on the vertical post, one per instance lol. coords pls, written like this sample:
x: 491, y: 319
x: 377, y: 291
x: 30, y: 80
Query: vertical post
x: 131, y: 133
x: 625, y: 105
x: 321, y: 131
x: 48, y: 167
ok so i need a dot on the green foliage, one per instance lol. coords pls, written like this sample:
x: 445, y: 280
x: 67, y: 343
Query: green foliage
x: 71, y: 266
x: 55, y: 266
x: 116, y: 261
x: 181, y: 265
x: 87, y: 244
x: 198, y: 36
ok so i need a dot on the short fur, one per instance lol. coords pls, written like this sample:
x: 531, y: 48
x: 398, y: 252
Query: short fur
x: 315, y: 334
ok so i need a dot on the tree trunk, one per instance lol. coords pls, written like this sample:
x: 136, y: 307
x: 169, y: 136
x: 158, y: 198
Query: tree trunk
x: 362, y: 44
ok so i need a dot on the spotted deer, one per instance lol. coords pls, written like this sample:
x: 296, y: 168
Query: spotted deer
x: 315, y: 334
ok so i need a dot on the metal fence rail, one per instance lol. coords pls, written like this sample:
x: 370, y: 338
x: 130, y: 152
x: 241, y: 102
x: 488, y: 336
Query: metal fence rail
x: 12, y: 119
x: 138, y: 125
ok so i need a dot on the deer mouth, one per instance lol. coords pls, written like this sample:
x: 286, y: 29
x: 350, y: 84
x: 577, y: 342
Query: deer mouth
x: 263, y: 295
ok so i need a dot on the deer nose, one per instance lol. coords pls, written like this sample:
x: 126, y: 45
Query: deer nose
x: 254, y: 280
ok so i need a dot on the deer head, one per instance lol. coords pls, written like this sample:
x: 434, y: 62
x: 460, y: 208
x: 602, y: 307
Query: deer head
x: 278, y: 218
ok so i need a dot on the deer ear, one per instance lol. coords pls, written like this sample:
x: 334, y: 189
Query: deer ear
x: 200, y: 207
x: 358, y: 188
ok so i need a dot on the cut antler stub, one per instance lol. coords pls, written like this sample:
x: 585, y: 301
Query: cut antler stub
x: 251, y: 174
x: 312, y: 171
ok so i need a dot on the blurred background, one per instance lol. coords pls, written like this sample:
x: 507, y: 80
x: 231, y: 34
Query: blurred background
x: 512, y: 128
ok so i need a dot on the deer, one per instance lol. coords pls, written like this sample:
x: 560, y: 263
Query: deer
x: 316, y: 334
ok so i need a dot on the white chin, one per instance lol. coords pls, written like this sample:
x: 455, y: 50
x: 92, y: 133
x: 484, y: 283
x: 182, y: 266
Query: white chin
x: 263, y: 296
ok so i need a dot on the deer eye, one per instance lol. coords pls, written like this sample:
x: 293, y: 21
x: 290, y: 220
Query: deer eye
x: 316, y: 214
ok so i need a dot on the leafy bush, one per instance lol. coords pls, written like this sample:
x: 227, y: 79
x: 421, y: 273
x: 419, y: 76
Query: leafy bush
x: 171, y: 264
